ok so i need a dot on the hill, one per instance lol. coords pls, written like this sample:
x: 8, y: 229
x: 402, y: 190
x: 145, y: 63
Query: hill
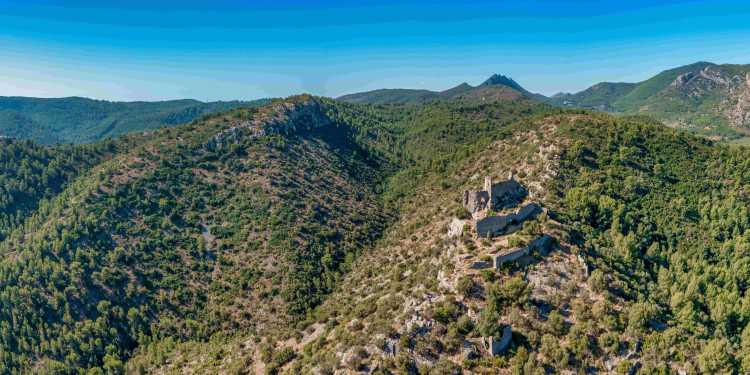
x: 31, y: 174
x: 497, y: 87
x: 644, y: 277
x: 598, y: 97
x: 644, y: 271
x: 703, y: 97
x: 81, y: 120
x: 184, y: 234
x: 315, y: 236
x: 242, y: 222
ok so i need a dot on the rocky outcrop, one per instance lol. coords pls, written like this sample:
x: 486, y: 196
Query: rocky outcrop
x: 713, y: 82
x: 286, y: 117
x: 739, y: 111
x: 682, y: 79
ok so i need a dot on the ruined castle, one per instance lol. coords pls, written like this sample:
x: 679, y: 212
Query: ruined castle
x: 498, y: 196
x: 483, y: 205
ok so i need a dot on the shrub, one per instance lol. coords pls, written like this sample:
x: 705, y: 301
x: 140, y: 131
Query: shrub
x: 465, y: 286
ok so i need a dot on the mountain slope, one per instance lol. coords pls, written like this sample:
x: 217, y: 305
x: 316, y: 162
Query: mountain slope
x: 313, y: 236
x: 599, y: 97
x: 497, y: 87
x: 424, y: 140
x: 31, y: 174
x: 647, y: 273
x: 241, y: 222
x: 81, y: 120
x: 630, y: 285
x: 703, y: 97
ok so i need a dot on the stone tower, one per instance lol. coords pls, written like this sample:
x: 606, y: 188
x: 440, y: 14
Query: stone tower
x: 488, y: 189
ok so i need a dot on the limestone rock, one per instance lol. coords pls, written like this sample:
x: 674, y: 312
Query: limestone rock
x: 456, y: 227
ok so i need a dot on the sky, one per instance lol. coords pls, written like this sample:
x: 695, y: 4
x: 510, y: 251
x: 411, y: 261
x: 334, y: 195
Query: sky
x: 226, y: 50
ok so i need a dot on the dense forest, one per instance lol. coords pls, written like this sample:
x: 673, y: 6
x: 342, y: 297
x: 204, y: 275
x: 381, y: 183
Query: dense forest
x: 666, y: 216
x: 81, y: 120
x: 30, y: 174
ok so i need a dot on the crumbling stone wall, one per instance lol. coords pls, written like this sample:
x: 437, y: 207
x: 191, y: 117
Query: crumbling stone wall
x: 541, y: 244
x: 497, y: 346
x: 507, y: 194
x: 475, y: 201
x: 497, y: 196
x: 504, y: 224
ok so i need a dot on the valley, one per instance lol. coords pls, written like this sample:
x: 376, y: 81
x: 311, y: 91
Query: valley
x: 315, y: 236
x: 374, y: 187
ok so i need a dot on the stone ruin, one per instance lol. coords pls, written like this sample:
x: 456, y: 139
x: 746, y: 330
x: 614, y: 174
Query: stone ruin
x: 505, y: 194
x: 541, y: 244
x: 498, y: 346
x: 504, y: 224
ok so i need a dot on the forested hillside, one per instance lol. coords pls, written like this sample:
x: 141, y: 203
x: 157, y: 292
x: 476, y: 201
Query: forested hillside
x: 647, y: 275
x: 239, y: 223
x: 31, y: 174
x: 315, y: 236
x: 182, y: 237
x: 82, y: 120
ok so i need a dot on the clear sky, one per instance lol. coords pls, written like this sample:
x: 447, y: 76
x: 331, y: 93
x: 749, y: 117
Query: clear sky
x: 220, y: 49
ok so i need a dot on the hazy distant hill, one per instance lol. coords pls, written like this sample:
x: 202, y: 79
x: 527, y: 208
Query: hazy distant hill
x: 704, y: 97
x: 497, y: 87
x: 82, y: 120
x: 599, y: 96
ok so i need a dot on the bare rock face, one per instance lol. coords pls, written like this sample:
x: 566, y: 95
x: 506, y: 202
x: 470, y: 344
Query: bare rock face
x: 739, y: 111
x: 301, y: 113
x: 716, y: 82
x: 682, y: 79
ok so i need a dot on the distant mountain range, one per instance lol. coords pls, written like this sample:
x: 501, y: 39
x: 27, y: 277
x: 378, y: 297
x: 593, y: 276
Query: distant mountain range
x: 82, y: 120
x: 706, y: 98
x: 497, y: 87
x: 703, y: 97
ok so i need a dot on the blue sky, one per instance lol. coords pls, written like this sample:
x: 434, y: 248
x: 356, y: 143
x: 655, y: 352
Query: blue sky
x: 220, y: 50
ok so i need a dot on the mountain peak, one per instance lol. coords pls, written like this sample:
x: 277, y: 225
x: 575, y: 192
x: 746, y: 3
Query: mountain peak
x: 499, y: 79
